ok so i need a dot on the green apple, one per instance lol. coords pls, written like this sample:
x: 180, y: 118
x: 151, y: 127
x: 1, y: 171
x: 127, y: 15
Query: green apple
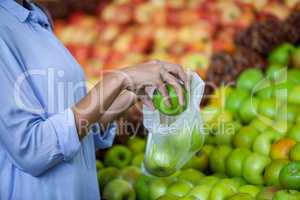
x: 281, y: 127
x: 209, y: 180
x: 199, y: 161
x: 249, y: 78
x: 245, y: 137
x: 191, y: 175
x: 287, y: 195
x: 295, y: 152
x: 234, y: 162
x: 241, y: 196
x: 130, y: 174
x: 118, y: 156
x: 261, y: 124
x: 157, y: 188
x: 142, y: 187
x: 219, y: 175
x: 265, y: 93
x: 167, y: 197
x: 294, y: 133
x: 225, y: 133
x: 119, y: 189
x: 175, y: 108
x: 99, y: 165
x: 179, y: 188
x: 296, y: 58
x: 267, y: 108
x: 207, y: 148
x: 267, y: 193
x: 288, y: 113
x: 138, y: 160
x: 263, y: 142
x: 160, y: 162
x: 298, y: 119
x: 201, y: 191
x: 281, y: 54
x: 274, y: 71
x: 235, y: 99
x: 281, y: 90
x: 248, y: 110
x: 293, y: 76
x: 136, y: 145
x: 253, y: 168
x: 294, y: 95
x: 253, y: 190
x: 271, y: 174
x: 209, y: 113
x: 218, y: 158
x: 224, y: 189
x: 290, y: 176
x: 188, y: 197
x: 106, y: 175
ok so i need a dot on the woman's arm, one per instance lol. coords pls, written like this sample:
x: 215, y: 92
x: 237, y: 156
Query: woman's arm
x: 137, y: 79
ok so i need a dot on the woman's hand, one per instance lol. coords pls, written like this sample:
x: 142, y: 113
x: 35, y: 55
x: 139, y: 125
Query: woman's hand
x: 144, y: 78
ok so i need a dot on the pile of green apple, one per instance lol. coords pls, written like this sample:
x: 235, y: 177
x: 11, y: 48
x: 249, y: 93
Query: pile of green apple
x: 251, y: 151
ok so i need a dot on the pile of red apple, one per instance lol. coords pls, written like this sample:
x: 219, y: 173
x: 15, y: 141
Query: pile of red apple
x: 125, y: 32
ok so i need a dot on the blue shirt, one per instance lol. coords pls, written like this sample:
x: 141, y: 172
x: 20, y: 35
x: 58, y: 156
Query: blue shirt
x: 41, y: 157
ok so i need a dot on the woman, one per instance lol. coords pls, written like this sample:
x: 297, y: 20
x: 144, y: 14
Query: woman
x: 49, y: 126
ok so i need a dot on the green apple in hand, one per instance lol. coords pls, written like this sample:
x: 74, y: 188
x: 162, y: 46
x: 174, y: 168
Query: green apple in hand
x: 253, y: 168
x: 249, y: 78
x: 287, y: 195
x: 119, y: 189
x: 272, y: 171
x: 224, y: 189
x: 295, y: 152
x: 118, y: 156
x: 191, y: 175
x: 218, y: 158
x: 234, y: 162
x: 263, y: 142
x: 290, y: 176
x: 252, y: 190
x: 245, y: 137
x: 174, y: 108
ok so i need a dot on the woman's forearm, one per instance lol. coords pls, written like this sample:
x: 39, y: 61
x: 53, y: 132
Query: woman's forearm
x: 90, y: 109
x: 122, y: 103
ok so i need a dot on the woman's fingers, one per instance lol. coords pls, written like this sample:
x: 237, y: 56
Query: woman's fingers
x: 170, y: 79
x: 178, y: 71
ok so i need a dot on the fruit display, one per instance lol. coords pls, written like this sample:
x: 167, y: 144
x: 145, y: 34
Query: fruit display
x: 119, y: 33
x: 251, y: 151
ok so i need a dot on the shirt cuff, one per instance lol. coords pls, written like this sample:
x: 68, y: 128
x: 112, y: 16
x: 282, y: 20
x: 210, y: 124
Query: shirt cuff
x: 106, y: 139
x: 66, y: 132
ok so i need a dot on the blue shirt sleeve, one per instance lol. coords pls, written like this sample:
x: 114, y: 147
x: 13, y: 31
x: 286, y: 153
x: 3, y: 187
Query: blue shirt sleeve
x: 106, y: 139
x: 34, y: 141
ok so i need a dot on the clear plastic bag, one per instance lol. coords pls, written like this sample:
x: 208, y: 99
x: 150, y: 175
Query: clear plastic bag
x: 173, y: 140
